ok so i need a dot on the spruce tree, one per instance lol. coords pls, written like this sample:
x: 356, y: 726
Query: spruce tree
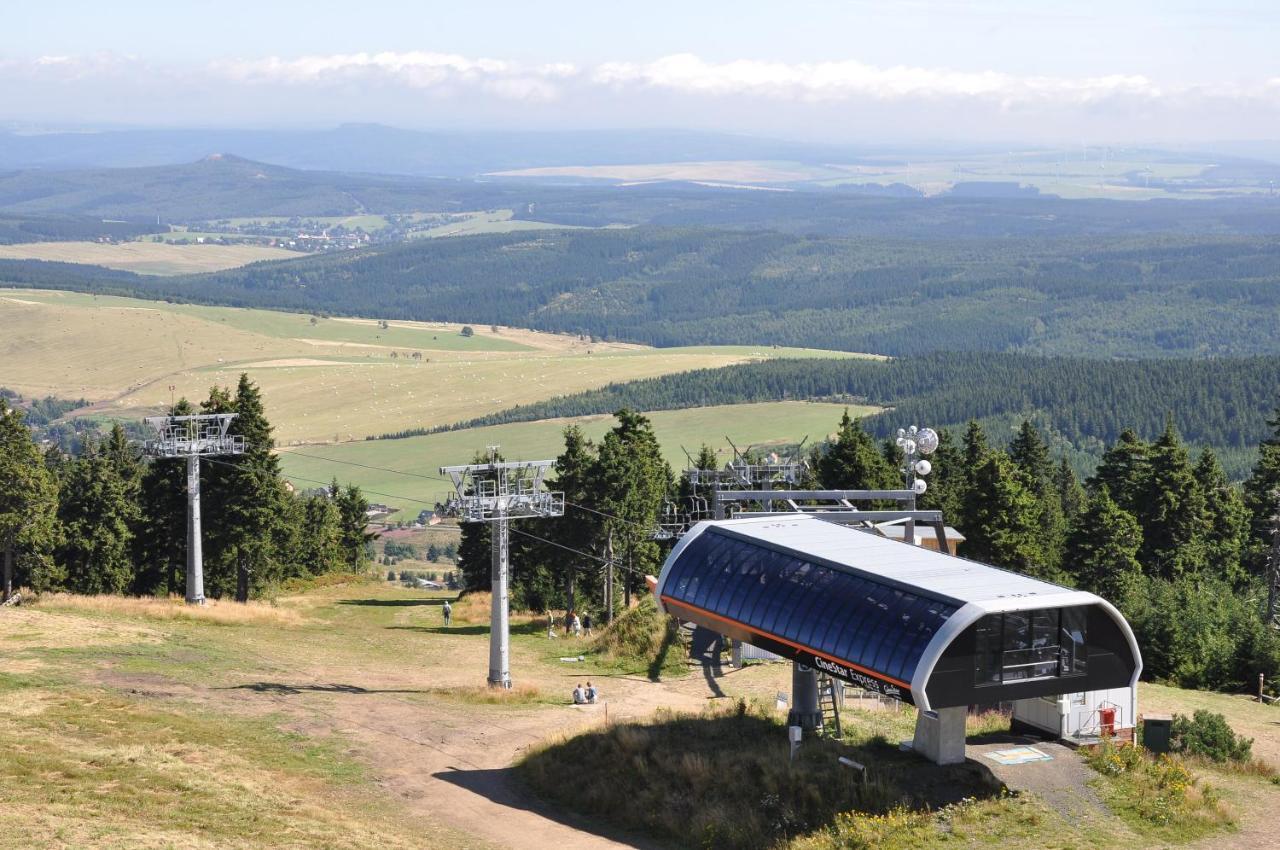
x: 1227, y: 518
x: 1171, y: 510
x: 96, y: 515
x: 1030, y: 453
x: 579, y: 529
x: 1004, y: 526
x: 160, y: 547
x: 28, y: 506
x: 254, y: 502
x: 353, y: 522
x: 1262, y: 497
x: 974, y: 453
x: 1102, y: 549
x: 319, y: 545
x: 1123, y: 471
x: 1070, y: 494
x: 853, y: 461
x: 634, y: 481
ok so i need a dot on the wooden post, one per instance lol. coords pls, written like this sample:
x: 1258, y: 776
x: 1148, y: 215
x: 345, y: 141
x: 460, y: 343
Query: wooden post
x: 1262, y: 680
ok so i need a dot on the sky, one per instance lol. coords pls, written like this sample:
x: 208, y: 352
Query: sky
x: 919, y: 70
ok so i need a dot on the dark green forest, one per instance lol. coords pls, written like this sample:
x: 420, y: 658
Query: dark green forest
x: 1104, y: 297
x: 1221, y: 403
x: 108, y: 520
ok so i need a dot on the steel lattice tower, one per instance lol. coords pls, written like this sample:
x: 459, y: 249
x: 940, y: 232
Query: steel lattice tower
x: 193, y: 437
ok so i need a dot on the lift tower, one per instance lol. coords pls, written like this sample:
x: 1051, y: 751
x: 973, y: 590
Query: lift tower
x: 497, y: 492
x: 193, y: 437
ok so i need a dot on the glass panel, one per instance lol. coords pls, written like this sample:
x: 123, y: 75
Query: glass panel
x: 809, y: 611
x: 987, y: 650
x: 1074, y: 653
x: 1017, y: 643
x: 744, y: 581
x: 845, y: 598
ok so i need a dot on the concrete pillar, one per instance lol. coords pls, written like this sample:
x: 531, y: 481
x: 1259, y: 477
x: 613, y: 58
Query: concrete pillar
x: 500, y: 609
x: 940, y: 735
x: 804, y: 698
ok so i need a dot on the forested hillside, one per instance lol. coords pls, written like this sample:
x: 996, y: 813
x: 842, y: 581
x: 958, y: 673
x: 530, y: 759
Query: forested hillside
x: 1221, y: 402
x: 1121, y: 297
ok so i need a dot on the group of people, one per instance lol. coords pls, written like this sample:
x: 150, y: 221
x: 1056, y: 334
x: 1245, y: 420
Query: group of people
x: 573, y: 624
x: 585, y: 696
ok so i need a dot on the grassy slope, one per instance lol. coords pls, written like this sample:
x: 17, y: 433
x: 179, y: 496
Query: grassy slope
x: 334, y: 379
x: 147, y: 257
x: 747, y: 424
x: 114, y: 714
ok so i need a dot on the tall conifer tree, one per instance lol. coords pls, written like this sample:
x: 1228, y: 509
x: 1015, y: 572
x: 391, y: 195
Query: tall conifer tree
x: 28, y: 506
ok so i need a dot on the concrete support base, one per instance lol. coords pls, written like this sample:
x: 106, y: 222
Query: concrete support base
x: 804, y: 698
x: 940, y: 735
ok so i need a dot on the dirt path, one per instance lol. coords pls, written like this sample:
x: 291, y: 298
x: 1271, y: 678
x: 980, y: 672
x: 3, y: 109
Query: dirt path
x: 450, y: 761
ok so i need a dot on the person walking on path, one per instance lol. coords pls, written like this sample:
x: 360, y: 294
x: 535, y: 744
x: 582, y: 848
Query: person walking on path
x: 448, y: 613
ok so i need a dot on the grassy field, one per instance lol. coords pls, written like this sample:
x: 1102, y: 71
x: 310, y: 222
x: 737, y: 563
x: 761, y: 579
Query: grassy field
x: 1068, y: 173
x: 493, y: 221
x: 323, y: 379
x: 346, y: 716
x: 159, y: 258
x: 414, y: 457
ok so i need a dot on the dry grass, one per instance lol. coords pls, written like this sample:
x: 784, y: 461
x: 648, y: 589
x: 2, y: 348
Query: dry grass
x: 519, y: 694
x: 174, y: 608
x: 159, y: 258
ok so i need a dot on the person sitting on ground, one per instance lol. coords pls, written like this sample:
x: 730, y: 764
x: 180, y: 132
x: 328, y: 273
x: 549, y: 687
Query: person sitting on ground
x: 591, y: 694
x: 579, y: 695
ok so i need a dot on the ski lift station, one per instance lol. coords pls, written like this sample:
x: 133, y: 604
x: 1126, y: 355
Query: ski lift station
x: 929, y: 628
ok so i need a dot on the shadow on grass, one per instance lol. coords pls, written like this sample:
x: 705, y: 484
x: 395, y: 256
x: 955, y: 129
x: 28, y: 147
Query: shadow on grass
x: 705, y: 647
x: 444, y: 630
x: 282, y: 688
x: 397, y: 603
x: 724, y: 778
x: 503, y: 787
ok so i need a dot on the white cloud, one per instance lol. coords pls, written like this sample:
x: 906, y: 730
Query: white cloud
x: 851, y: 79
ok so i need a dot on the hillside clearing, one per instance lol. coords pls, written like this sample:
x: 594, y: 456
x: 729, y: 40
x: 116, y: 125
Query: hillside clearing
x: 759, y: 425
x: 323, y: 379
x: 158, y: 258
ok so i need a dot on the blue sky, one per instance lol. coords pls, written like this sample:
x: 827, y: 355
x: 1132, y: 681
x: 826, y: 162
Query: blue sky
x: 1121, y: 71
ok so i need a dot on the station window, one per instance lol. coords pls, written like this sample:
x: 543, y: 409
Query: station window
x: 1024, y: 646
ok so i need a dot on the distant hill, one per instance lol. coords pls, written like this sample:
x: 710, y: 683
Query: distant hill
x: 388, y: 150
x: 223, y: 185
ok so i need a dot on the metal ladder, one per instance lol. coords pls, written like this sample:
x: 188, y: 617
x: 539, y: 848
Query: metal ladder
x: 827, y: 703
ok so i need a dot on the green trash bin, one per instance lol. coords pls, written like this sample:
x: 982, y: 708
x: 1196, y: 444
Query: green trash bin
x: 1156, y: 731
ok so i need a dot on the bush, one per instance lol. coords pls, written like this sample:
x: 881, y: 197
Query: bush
x: 1207, y: 734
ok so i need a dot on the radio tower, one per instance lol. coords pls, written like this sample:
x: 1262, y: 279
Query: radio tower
x: 193, y: 437
x: 497, y: 492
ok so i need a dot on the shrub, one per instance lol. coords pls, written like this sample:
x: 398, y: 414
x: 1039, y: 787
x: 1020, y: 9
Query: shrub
x: 1207, y: 734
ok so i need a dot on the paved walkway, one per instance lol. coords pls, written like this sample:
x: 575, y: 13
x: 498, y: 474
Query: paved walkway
x: 1062, y: 782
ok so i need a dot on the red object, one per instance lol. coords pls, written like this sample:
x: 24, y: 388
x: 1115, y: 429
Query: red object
x: 1107, y: 721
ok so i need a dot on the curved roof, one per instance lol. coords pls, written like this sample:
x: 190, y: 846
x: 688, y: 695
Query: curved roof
x: 871, y: 606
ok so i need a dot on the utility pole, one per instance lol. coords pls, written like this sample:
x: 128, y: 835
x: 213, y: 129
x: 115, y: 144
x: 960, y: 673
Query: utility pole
x: 193, y: 437
x: 497, y: 492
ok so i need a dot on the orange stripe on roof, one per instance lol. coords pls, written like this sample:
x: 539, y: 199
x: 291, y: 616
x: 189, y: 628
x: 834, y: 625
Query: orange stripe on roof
x: 667, y: 599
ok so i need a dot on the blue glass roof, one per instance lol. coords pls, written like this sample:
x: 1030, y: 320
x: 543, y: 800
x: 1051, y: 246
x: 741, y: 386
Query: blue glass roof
x: 860, y: 620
